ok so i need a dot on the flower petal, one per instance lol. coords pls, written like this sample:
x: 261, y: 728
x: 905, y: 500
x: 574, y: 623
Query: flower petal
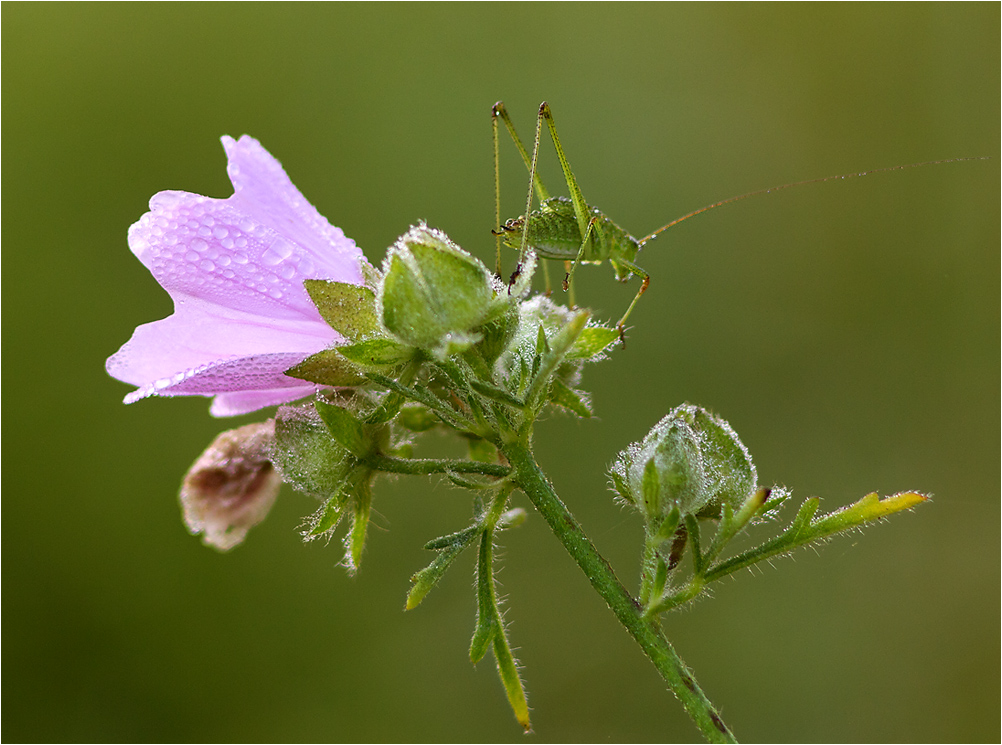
x: 235, y: 269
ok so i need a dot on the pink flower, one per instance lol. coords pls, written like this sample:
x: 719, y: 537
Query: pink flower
x: 234, y: 269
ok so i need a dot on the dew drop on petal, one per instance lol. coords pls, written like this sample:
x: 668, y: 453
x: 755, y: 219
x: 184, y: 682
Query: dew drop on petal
x: 288, y: 271
x: 199, y: 245
x: 220, y: 232
x: 277, y: 252
x: 192, y: 256
x: 206, y: 265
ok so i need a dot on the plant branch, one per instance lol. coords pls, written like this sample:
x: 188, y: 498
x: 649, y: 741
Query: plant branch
x: 531, y: 480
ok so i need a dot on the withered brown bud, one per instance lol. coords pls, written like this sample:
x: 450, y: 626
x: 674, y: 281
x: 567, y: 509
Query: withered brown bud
x: 232, y: 485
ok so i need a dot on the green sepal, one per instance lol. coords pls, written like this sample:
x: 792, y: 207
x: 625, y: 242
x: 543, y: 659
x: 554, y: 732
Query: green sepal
x: 306, y: 454
x: 621, y: 487
x: 666, y: 531
x: 377, y: 354
x: 570, y: 399
x: 650, y: 488
x: 348, y: 309
x: 344, y: 427
x: 592, y: 342
x: 325, y: 520
x: 327, y: 367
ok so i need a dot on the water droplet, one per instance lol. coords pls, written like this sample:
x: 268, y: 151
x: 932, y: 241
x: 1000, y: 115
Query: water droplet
x: 192, y: 256
x: 277, y: 252
x: 275, y: 293
x: 239, y: 258
x: 226, y: 243
x: 246, y: 224
x: 224, y: 260
x: 206, y: 266
x: 204, y: 232
x: 288, y: 271
x: 199, y: 245
x: 220, y: 232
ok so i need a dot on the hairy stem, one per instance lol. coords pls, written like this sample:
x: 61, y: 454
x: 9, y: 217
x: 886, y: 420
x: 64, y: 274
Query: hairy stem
x: 648, y: 634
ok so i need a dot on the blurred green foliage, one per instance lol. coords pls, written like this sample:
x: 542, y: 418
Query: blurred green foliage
x: 848, y: 331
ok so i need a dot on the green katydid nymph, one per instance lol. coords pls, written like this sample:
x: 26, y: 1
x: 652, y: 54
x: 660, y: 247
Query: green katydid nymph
x: 570, y: 230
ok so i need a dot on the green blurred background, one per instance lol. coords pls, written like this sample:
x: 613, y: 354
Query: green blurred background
x: 848, y: 331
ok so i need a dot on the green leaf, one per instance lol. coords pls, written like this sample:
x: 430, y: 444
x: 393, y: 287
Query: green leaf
x: 327, y: 368
x: 576, y: 401
x: 377, y: 353
x: 592, y: 342
x: 348, y: 309
x: 344, y: 427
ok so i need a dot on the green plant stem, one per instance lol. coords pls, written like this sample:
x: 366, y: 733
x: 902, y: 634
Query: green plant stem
x: 424, y: 466
x: 648, y: 634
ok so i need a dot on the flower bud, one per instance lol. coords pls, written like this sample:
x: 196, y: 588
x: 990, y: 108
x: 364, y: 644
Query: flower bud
x: 232, y: 486
x: 692, y: 460
x: 433, y: 294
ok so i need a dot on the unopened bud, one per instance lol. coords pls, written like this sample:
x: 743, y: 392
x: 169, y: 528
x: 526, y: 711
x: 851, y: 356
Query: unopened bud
x: 692, y: 460
x: 232, y: 486
x: 434, y: 294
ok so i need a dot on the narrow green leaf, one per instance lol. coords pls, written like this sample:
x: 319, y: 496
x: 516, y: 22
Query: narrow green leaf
x: 513, y: 687
x: 355, y: 541
x: 451, y: 547
x: 344, y: 427
x: 869, y: 508
x: 592, y: 342
x: 495, y: 393
x: 462, y: 537
x: 348, y: 309
x: 803, y: 518
x: 576, y: 401
x: 327, y: 367
x: 486, y: 620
